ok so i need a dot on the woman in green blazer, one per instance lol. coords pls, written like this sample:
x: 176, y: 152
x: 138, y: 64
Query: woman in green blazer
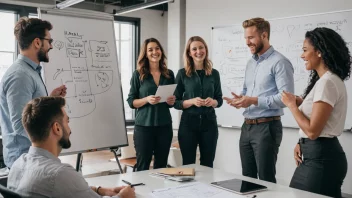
x: 198, y: 92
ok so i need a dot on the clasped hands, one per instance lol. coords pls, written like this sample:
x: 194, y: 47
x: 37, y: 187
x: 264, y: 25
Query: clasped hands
x: 208, y: 102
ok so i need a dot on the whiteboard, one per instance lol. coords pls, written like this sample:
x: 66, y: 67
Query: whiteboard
x: 230, y: 55
x: 84, y: 59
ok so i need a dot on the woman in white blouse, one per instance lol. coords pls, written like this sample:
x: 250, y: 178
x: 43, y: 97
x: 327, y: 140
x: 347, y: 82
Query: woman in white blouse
x: 321, y: 114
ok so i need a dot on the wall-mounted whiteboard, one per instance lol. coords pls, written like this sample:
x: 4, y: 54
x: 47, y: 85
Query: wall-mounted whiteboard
x: 84, y: 59
x: 230, y: 55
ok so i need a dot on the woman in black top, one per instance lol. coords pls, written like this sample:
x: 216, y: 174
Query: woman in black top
x: 153, y: 124
x: 198, y: 92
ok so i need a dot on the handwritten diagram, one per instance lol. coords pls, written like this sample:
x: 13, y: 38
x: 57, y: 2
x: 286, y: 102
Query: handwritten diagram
x: 230, y: 58
x: 300, y: 72
x: 231, y: 54
x: 88, y: 73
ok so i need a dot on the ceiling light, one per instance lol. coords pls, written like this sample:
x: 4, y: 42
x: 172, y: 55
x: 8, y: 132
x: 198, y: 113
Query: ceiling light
x: 141, y: 6
x: 67, y: 3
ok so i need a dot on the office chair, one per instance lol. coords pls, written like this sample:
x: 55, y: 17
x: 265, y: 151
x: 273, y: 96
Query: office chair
x: 7, y: 193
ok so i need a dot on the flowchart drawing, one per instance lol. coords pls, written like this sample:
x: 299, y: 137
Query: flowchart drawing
x: 89, y: 72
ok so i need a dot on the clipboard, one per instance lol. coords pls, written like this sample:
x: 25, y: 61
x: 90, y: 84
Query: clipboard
x: 178, y: 171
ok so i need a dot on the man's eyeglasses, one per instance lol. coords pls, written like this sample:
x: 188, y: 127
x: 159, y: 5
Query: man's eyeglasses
x: 50, y: 40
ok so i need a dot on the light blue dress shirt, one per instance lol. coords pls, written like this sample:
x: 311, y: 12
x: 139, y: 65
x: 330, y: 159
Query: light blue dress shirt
x: 20, y: 84
x: 266, y: 77
x: 40, y: 174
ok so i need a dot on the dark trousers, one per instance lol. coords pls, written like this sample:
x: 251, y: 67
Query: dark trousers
x: 323, y: 169
x: 197, y: 129
x: 149, y: 141
x: 259, y: 146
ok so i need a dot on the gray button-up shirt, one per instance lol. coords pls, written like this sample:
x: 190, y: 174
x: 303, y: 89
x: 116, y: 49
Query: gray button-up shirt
x: 40, y: 174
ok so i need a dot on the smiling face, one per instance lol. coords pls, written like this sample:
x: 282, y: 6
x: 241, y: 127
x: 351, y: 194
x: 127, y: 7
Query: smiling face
x: 254, y: 40
x: 46, y: 46
x: 197, y: 51
x: 153, y: 52
x: 312, y: 58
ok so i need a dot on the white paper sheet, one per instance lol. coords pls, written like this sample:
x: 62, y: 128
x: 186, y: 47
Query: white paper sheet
x: 165, y: 91
x: 194, y: 190
x: 4, y: 172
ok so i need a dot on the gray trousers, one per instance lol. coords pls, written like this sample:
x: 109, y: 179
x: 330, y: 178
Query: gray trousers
x: 259, y: 146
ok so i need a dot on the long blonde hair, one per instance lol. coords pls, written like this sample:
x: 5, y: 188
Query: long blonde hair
x: 188, y: 60
x: 143, y: 67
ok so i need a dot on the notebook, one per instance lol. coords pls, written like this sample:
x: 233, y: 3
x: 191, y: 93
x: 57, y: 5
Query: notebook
x: 239, y: 186
x: 178, y: 171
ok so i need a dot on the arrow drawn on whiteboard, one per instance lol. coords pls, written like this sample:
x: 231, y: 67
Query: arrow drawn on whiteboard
x: 59, y: 71
x: 290, y: 29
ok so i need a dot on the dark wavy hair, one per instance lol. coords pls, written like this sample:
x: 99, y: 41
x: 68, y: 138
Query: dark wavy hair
x: 334, y: 53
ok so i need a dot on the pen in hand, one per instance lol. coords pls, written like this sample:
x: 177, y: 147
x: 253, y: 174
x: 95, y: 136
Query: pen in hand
x: 132, y: 185
x: 126, y: 182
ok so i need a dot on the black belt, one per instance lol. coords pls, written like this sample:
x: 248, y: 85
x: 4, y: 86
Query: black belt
x: 320, y: 139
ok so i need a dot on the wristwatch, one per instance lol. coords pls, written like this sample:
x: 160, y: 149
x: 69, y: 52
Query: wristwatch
x: 97, y: 189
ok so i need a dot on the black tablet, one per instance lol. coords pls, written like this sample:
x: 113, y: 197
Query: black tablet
x: 239, y: 186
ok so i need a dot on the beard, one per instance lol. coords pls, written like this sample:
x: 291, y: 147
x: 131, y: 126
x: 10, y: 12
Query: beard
x: 258, y: 48
x: 42, y: 55
x: 65, y: 142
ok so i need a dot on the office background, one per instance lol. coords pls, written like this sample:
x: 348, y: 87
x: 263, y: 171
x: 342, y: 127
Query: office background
x: 186, y: 18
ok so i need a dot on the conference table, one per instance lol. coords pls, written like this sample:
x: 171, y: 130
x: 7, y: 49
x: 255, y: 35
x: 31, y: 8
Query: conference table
x: 204, y: 175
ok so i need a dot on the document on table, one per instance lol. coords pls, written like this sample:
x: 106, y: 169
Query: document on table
x: 193, y: 190
x: 4, y: 172
x: 165, y: 91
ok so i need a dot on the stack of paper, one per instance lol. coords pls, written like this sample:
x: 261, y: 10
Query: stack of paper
x: 194, y: 190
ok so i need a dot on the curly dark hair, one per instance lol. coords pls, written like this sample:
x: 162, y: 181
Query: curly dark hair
x: 334, y: 53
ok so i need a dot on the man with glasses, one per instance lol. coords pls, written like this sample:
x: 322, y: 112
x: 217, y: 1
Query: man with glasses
x: 22, y: 82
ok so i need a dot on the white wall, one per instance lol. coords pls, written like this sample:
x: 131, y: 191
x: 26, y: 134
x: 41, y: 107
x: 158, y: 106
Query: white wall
x: 201, y: 15
x: 176, y: 39
x: 152, y: 24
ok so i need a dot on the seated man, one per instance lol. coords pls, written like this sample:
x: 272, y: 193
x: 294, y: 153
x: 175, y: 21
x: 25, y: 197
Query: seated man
x: 40, y: 173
